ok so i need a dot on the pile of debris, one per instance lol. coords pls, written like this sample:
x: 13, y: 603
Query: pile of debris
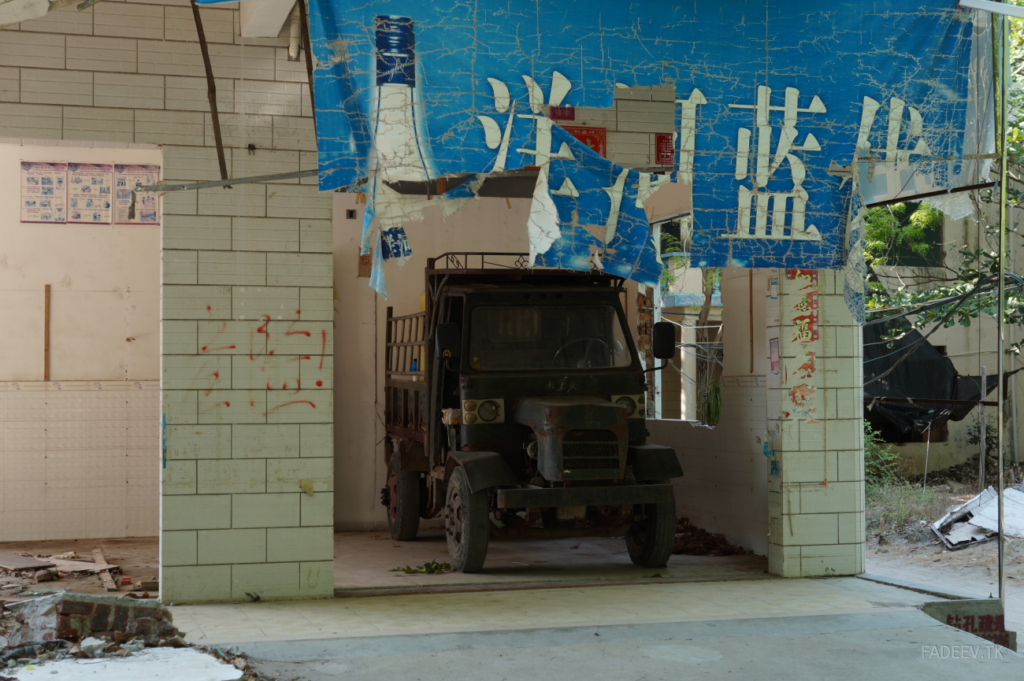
x: 693, y: 541
x: 977, y: 520
x: 22, y: 570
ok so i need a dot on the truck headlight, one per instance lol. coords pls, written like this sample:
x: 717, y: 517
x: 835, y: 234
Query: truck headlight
x: 486, y: 411
x: 632, y: 403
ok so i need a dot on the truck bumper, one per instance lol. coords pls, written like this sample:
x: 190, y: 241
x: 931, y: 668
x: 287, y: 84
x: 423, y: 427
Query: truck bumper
x: 535, y: 497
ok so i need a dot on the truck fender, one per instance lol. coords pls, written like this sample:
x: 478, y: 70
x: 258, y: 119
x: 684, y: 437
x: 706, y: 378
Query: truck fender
x: 654, y: 462
x: 483, y: 469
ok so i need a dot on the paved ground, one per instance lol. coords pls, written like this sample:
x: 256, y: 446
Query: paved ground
x: 879, y: 645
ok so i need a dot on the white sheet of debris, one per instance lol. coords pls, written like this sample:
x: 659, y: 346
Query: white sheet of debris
x: 978, y: 519
x: 158, y: 664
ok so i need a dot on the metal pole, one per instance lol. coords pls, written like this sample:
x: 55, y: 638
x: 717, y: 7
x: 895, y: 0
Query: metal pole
x: 982, y: 433
x: 1004, y: 77
x: 211, y: 91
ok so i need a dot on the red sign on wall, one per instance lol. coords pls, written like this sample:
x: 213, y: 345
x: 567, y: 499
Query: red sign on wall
x: 665, y: 150
x: 563, y: 113
x: 595, y: 138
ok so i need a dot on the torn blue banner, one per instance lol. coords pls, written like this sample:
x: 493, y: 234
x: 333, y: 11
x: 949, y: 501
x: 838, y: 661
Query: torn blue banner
x: 395, y: 244
x: 601, y: 222
x: 772, y: 100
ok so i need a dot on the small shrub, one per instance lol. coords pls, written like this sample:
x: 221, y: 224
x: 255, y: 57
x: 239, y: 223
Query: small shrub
x: 881, y: 464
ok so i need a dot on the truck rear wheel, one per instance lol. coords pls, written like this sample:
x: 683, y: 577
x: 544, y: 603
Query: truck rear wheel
x: 650, y: 540
x: 466, y: 523
x: 403, y: 497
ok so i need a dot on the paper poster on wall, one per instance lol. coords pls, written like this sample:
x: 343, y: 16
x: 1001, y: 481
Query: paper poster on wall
x: 44, y: 192
x: 147, y: 206
x: 774, y: 355
x: 89, y: 197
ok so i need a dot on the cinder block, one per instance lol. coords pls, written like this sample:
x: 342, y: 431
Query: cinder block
x: 265, y: 234
x: 36, y: 50
x: 309, y: 406
x: 804, y: 530
x: 851, y: 465
x: 193, y: 163
x: 317, y: 510
x: 196, y: 302
x: 190, y: 94
x: 301, y: 338
x: 291, y: 71
x: 241, y: 199
x: 232, y: 338
x: 41, y: 86
x: 784, y: 560
x: 841, y: 372
x: 813, y: 434
x: 179, y: 477
x: 283, y: 475
x: 68, y: 23
x: 94, y: 124
x: 206, y: 233
x: 317, y: 440
x: 31, y: 121
x: 266, y: 162
x: 290, y: 132
x: 240, y: 130
x: 128, y: 91
x: 89, y: 53
x: 238, y: 476
x: 595, y: 117
x: 180, y: 406
x: 178, y: 337
x: 808, y: 466
x: 845, y: 433
x: 851, y: 528
x: 129, y: 21
x: 300, y: 543
x: 180, y: 203
x: 832, y: 560
x: 178, y: 548
x: 630, y: 148
x: 196, y: 372
x: 316, y: 304
x: 298, y: 201
x: 199, y: 442
x: 169, y: 127
x: 848, y: 341
x: 269, y: 581
x: 200, y: 512
x: 317, y: 372
x: 299, y: 269
x: 266, y: 372
x: 836, y: 497
x: 232, y: 267
x: 265, y: 442
x: 233, y: 406
x: 317, y: 579
x: 179, y: 267
x: 276, y: 98
x: 265, y: 510
x: 316, y: 236
x: 645, y: 116
x: 171, y: 59
x: 10, y: 84
x: 834, y: 311
x: 216, y: 547
x: 218, y: 25
x: 195, y: 584
x: 259, y: 302
x: 245, y: 63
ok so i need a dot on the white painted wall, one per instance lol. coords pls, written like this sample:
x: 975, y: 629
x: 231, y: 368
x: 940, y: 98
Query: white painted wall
x: 80, y: 452
x: 104, y: 281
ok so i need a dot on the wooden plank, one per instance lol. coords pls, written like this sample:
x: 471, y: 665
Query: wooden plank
x: 101, y: 563
x: 13, y: 561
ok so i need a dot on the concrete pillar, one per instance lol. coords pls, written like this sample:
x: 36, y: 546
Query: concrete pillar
x: 814, y: 447
x: 247, y: 503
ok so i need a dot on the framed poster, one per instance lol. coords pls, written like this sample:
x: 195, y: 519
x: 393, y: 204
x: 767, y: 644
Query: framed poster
x: 44, y: 192
x: 147, y: 206
x: 89, y: 197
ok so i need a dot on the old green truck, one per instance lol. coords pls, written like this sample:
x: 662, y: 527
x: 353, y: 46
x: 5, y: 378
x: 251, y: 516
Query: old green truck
x: 514, y: 406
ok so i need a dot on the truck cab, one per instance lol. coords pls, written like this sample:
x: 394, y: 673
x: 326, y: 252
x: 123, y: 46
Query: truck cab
x: 515, y: 408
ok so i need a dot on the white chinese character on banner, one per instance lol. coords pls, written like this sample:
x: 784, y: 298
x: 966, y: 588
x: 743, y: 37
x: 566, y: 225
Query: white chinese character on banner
x: 787, y: 209
x: 898, y: 112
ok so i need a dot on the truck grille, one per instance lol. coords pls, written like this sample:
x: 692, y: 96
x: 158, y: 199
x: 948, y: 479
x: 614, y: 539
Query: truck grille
x: 576, y: 463
x: 590, y: 446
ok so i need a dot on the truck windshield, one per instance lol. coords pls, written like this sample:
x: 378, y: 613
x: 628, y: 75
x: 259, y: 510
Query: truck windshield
x: 545, y: 337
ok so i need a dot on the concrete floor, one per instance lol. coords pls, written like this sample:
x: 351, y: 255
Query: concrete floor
x: 885, y: 637
x: 366, y: 561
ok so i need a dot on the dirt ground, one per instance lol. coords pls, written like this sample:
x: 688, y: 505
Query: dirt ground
x: 137, y: 558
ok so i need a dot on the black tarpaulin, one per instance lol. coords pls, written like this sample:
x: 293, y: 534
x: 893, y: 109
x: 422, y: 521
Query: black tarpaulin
x: 925, y: 374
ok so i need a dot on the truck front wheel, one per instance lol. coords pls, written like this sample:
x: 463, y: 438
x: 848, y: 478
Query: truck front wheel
x: 650, y: 539
x: 403, y: 501
x: 466, y: 523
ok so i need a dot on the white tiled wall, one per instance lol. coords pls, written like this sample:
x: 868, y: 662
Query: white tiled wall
x: 81, y: 459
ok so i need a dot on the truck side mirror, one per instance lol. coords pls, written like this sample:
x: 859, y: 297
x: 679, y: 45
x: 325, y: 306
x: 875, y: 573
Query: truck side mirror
x: 448, y: 339
x: 663, y: 340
